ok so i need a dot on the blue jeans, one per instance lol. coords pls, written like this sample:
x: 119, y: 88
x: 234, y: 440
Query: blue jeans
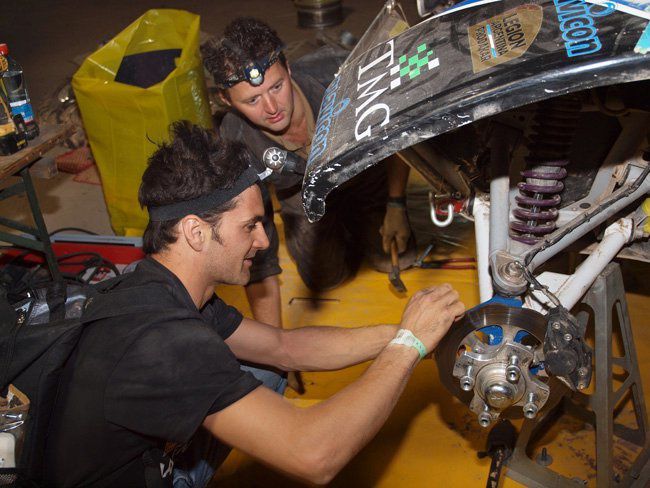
x: 206, y: 453
x: 271, y: 379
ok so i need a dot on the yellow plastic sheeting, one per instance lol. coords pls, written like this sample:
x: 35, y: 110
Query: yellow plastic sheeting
x: 123, y: 122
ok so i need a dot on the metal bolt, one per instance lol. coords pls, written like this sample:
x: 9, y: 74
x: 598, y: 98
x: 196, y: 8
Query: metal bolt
x: 531, y: 408
x: 582, y: 385
x: 556, y: 325
x: 466, y: 383
x: 544, y: 459
x: 582, y: 371
x: 513, y: 372
x: 484, y: 419
x: 513, y: 270
x: 568, y: 337
x: 467, y: 380
x: 21, y: 318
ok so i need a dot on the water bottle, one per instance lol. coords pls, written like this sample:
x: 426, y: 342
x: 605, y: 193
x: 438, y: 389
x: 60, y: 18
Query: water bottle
x: 14, y: 85
x: 11, y: 139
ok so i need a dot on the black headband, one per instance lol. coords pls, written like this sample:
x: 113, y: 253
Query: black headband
x: 204, y: 203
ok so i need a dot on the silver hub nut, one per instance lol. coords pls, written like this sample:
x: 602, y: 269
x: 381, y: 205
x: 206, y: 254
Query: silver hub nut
x: 500, y: 395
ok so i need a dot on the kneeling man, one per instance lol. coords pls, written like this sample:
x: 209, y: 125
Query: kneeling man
x: 140, y: 384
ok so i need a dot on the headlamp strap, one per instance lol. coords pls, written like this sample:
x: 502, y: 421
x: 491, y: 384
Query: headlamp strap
x: 253, y: 69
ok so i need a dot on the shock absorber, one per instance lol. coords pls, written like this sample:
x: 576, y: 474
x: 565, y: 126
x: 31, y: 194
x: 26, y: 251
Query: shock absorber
x: 539, y: 198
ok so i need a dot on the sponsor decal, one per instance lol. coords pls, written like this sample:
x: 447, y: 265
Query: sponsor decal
x: 370, y: 87
x: 578, y: 27
x: 643, y: 44
x: 413, y: 66
x: 640, y: 8
x: 383, y: 73
x: 330, y: 108
x: 504, y: 37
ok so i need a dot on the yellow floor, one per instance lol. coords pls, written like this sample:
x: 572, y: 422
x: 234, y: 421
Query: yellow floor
x: 431, y: 439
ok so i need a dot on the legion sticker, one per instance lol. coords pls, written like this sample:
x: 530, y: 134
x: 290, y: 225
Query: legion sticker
x: 504, y: 37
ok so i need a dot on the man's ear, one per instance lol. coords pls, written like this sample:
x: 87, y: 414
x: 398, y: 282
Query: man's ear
x: 194, y: 231
x: 223, y: 96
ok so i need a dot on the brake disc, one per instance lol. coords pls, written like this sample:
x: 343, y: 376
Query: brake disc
x: 493, y: 362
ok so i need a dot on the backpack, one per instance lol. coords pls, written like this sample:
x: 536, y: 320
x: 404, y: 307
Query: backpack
x: 37, y: 338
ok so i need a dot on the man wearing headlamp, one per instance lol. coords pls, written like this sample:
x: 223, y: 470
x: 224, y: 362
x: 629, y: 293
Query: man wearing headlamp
x: 274, y: 105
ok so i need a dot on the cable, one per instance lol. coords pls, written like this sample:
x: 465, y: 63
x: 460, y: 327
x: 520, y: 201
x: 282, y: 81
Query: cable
x: 96, y: 261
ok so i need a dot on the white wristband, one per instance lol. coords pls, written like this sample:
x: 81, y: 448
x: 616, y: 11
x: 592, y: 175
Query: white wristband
x: 405, y: 337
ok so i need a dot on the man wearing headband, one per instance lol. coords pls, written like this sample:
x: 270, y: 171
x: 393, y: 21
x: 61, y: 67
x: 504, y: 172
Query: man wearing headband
x: 275, y: 106
x: 141, y: 384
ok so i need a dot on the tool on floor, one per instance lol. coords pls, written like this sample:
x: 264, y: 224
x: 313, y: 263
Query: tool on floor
x: 393, y: 276
x: 448, y: 263
x: 500, y: 444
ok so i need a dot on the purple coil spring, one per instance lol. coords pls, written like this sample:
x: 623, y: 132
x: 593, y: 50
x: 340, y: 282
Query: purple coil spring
x: 556, y: 121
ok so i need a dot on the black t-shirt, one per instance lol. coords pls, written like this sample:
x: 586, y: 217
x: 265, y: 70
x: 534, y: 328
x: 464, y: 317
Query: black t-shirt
x: 141, y: 380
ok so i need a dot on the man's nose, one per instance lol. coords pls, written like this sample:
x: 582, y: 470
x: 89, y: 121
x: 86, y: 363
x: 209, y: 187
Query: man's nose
x: 270, y: 105
x: 261, y: 239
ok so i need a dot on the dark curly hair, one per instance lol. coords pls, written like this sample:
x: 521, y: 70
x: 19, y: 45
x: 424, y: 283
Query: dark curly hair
x: 254, y: 40
x: 193, y: 164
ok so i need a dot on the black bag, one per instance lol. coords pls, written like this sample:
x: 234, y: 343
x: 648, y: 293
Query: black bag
x: 37, y: 338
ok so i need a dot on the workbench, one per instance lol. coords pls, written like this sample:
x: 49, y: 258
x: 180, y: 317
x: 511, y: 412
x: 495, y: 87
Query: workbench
x: 18, y: 164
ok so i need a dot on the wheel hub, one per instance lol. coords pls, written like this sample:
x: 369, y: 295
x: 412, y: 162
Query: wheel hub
x: 493, y: 362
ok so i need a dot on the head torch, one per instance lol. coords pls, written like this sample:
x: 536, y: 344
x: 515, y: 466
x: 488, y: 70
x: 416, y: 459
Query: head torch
x: 253, y: 70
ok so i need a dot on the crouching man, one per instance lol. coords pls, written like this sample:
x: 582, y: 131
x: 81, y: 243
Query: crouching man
x: 138, y: 386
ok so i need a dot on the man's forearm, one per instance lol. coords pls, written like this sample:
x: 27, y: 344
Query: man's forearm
x: 340, y: 426
x: 397, y: 174
x: 327, y: 348
x: 314, y: 443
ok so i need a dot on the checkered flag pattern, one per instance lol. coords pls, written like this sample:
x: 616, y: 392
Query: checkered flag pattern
x: 414, y: 65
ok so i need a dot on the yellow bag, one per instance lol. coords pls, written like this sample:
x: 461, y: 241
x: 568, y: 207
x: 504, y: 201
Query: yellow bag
x: 121, y: 120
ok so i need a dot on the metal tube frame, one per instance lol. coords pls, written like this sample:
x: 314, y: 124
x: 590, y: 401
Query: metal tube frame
x: 541, y: 252
x: 605, y: 298
x: 481, y: 213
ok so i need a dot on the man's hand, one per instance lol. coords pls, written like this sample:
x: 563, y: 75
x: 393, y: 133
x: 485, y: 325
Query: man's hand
x: 430, y: 313
x: 396, y: 226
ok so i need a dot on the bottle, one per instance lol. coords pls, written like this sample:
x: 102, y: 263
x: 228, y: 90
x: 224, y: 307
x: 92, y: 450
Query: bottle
x: 11, y: 140
x: 14, y: 85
